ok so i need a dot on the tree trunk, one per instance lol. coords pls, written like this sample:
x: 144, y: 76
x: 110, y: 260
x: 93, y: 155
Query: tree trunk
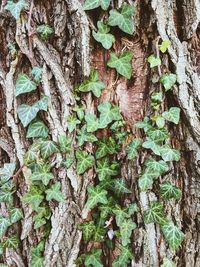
x: 66, y: 59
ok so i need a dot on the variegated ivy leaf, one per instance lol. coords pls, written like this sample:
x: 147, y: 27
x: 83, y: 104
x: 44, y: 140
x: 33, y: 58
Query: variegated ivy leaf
x: 157, y: 97
x: 37, y: 261
x: 105, y: 169
x: 33, y: 153
x: 154, y: 61
x: 95, y: 196
x: 157, y: 166
x: 11, y: 242
x: 106, y: 209
x: 165, y: 45
x: 91, y: 4
x: 15, y: 215
x: 4, y: 224
x: 24, y: 84
x: 42, y: 104
x: 105, y: 147
x: 132, y: 148
x: 88, y: 229
x: 72, y: 121
x: 120, y: 186
x: 155, y: 213
x: 92, y: 84
x: 83, y: 136
x: 160, y: 122
x: 121, y: 214
x: 126, y: 228
x: 37, y: 74
x: 151, y: 144
x: 124, y: 258
x: 6, y: 172
x: 48, y: 148
x: 44, y: 31
x: 15, y: 8
x: 168, y: 81
x: 145, y: 124
x: 172, y: 115
x: 103, y: 36
x: 43, y: 176
x: 65, y: 143
x: 80, y: 112
x: 6, y: 196
x: 84, y: 161
x: 92, y: 122
x: 122, y: 19
x: 54, y: 193
x: 34, y: 197
x: 158, y: 135
x: 169, y: 154
x: 168, y: 263
x: 93, y: 258
x: 37, y: 129
x: 168, y: 191
x: 173, y: 235
x: 145, y: 182
x: 121, y: 63
x: 108, y: 113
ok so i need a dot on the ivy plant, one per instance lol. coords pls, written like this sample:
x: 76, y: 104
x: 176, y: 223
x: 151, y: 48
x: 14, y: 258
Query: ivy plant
x: 103, y: 36
x: 91, y: 4
x: 15, y: 8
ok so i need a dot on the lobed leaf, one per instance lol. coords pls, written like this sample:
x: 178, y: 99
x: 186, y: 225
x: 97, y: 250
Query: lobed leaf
x: 103, y: 36
x: 24, y: 84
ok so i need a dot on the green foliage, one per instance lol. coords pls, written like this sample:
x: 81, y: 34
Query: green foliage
x: 120, y: 215
x: 145, y: 181
x: 120, y: 186
x: 92, y: 123
x: 88, y: 229
x: 132, y: 148
x: 11, y: 242
x: 126, y: 228
x: 168, y: 191
x: 121, y: 63
x: 44, y: 31
x: 103, y: 36
x: 54, y: 193
x: 172, y: 115
x: 83, y: 136
x: 165, y: 45
x: 94, y: 258
x: 108, y: 113
x: 122, y: 19
x: 92, y: 84
x: 173, y: 235
x: 105, y: 169
x: 4, y: 224
x: 65, y: 143
x: 36, y: 256
x: 37, y: 129
x: 169, y: 154
x: 91, y: 4
x: 84, y: 161
x: 145, y: 124
x: 154, y: 61
x: 124, y: 258
x: 6, y: 172
x: 48, y: 148
x: 15, y: 215
x: 16, y: 8
x: 168, y: 263
x: 72, y: 122
x: 157, y: 166
x: 160, y: 121
x: 96, y: 195
x: 168, y: 81
x: 80, y: 112
x: 37, y: 74
x: 105, y: 147
x: 24, y: 84
x: 34, y: 197
x: 43, y: 176
x: 158, y: 135
x: 151, y: 144
x: 155, y: 213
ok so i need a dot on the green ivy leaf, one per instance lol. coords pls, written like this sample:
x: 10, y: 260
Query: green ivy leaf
x: 42, y: 104
x: 6, y: 196
x: 158, y: 135
x: 103, y: 36
x: 122, y: 19
x: 168, y: 263
x: 84, y: 161
x: 38, y: 221
x: 48, y: 148
x: 173, y: 235
x: 37, y: 74
x: 155, y: 213
x: 80, y: 112
x: 88, y: 229
x: 105, y: 169
x: 94, y: 258
x: 106, y: 209
x: 145, y: 124
x: 96, y: 195
x: 120, y: 215
x: 168, y: 81
x: 33, y: 153
x: 121, y: 63
x: 124, y: 258
x: 15, y: 215
x: 132, y: 148
x: 169, y: 154
x: 108, y: 113
x: 157, y: 97
x: 92, y: 84
x: 160, y: 121
x: 172, y: 115
x: 151, y: 144
x: 44, y: 31
x: 83, y: 136
x: 68, y: 162
x: 16, y: 8
x: 7, y: 172
x: 37, y: 129
x: 24, y: 84
x: 154, y: 61
x: 65, y: 143
x: 145, y: 182
x: 4, y: 224
x: 91, y: 4
x: 92, y: 123
x: 157, y: 166
x: 43, y: 176
x: 55, y: 193
x: 165, y: 45
x: 37, y: 261
x: 72, y: 121
x: 33, y: 197
x: 11, y: 242
x: 126, y: 228
x: 120, y: 186
x: 106, y: 147
x: 168, y: 191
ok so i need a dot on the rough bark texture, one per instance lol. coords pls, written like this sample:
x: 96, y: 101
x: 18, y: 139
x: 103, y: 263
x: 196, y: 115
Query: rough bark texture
x: 66, y: 58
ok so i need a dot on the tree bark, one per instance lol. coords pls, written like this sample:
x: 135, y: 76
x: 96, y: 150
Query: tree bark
x: 66, y: 59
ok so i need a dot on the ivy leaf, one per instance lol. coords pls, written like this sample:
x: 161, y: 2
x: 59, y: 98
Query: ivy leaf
x: 33, y: 197
x: 96, y: 195
x: 158, y: 135
x: 94, y: 258
x: 160, y: 121
x: 43, y: 176
x: 106, y: 209
x: 68, y: 162
x: 37, y: 74
x: 172, y: 115
x: 151, y: 144
x: 4, y: 224
x: 92, y: 122
x: 65, y: 143
x: 55, y: 193
x: 84, y: 161
x: 168, y: 81
x: 108, y: 113
x: 72, y: 121
x: 16, y: 8
x: 121, y: 63
x: 37, y: 129
x: 126, y: 228
x: 120, y: 215
x: 88, y: 229
x: 6, y: 196
x: 33, y: 153
x: 91, y: 4
x: 132, y: 209
x: 26, y: 113
x: 154, y: 61
x: 83, y: 136
x: 168, y: 191
x: 157, y: 97
x: 132, y: 148
x: 106, y: 147
x: 145, y: 182
x: 169, y: 154
x: 155, y: 213
x: 42, y: 104
x: 145, y: 124
x: 165, y: 45
x: 44, y: 31
x: 6, y: 172
x: 157, y: 166
x: 124, y: 258
x: 103, y: 36
x: 79, y: 111
x: 120, y: 186
x: 173, y: 235
x: 92, y: 84
x: 122, y: 19
x: 24, y: 84
x: 168, y: 263
x: 48, y: 148
x: 11, y: 242
x: 15, y: 215
x: 37, y: 261
x: 105, y: 169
